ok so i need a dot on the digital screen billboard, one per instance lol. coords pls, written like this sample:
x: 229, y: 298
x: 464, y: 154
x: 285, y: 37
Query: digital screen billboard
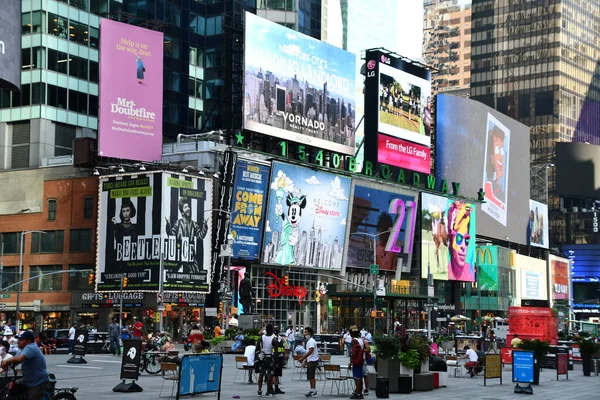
x: 585, y: 261
x: 131, y: 92
x: 487, y: 267
x: 537, y: 226
x: 531, y: 280
x: 249, y: 201
x: 306, y: 217
x: 577, y: 168
x: 448, y: 229
x: 477, y: 151
x: 559, y: 278
x: 140, y: 214
x: 297, y: 87
x: 10, y: 45
x: 398, y: 112
x: 384, y: 217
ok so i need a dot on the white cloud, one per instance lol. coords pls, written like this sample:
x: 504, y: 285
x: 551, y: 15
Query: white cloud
x: 337, y: 191
x: 312, y: 180
x: 291, y: 36
x: 343, y: 222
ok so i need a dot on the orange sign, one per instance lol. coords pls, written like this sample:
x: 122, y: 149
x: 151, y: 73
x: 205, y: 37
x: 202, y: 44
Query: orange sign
x: 559, y: 268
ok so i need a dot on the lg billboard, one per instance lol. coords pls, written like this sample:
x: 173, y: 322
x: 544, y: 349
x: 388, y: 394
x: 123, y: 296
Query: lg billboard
x: 297, y: 87
x: 131, y: 92
x: 490, y: 151
x: 151, y: 225
x: 10, y: 45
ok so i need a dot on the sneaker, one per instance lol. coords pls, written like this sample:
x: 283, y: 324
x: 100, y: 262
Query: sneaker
x: 366, y: 392
x: 312, y: 393
x: 278, y: 391
x: 269, y: 394
x: 259, y: 393
x: 357, y: 396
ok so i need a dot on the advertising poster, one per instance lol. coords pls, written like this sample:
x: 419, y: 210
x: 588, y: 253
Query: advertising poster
x: 81, y: 342
x: 537, y: 228
x: 306, y: 217
x: 487, y: 267
x: 129, y: 231
x: 404, y: 105
x: 236, y: 275
x: 297, y: 87
x: 10, y: 44
x: 398, y: 152
x: 448, y: 235
x: 531, y: 285
x: 495, y: 169
x: 200, y: 373
x: 476, y: 152
x: 386, y: 218
x: 250, y: 198
x: 187, y: 224
x: 131, y: 92
x: 130, y: 363
x: 522, y: 366
x: 559, y: 272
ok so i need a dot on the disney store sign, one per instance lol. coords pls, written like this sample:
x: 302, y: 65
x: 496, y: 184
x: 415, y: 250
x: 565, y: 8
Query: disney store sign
x: 280, y: 288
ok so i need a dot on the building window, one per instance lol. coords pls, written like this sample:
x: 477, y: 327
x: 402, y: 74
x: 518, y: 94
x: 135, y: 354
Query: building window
x: 544, y: 103
x: 51, y: 209
x: 78, y: 277
x: 81, y: 240
x: 50, y: 242
x: 10, y: 241
x: 88, y: 207
x: 9, y: 277
x: 45, y: 282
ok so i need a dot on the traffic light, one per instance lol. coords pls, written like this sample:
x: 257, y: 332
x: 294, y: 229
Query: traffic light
x: 124, y: 282
x: 286, y: 280
x: 91, y: 278
x: 220, y: 307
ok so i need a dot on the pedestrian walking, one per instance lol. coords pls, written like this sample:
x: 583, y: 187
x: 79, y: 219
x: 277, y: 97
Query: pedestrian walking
x: 114, y: 331
x: 311, y: 360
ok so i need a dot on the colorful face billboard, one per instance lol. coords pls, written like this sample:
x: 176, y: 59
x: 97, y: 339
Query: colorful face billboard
x: 249, y: 200
x: 448, y: 234
x: 386, y: 218
x: 559, y: 273
x: 139, y: 215
x: 537, y: 226
x: 476, y: 152
x: 10, y: 44
x: 487, y: 267
x: 306, y: 217
x: 131, y: 92
x: 298, y: 88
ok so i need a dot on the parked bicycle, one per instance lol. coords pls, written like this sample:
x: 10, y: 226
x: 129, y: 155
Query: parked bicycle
x: 15, y: 390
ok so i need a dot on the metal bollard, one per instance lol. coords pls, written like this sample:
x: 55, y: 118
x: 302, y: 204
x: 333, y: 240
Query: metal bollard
x: 596, y: 366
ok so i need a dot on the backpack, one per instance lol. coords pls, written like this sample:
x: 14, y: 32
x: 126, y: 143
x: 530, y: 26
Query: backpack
x: 358, y: 353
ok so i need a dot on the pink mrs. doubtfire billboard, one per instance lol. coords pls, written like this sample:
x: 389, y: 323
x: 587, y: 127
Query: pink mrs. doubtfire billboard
x: 131, y: 97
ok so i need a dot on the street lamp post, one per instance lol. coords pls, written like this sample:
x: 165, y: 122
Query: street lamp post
x: 18, y: 308
x: 374, y: 237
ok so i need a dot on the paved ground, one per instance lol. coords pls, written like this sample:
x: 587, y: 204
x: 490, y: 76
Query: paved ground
x: 97, y: 378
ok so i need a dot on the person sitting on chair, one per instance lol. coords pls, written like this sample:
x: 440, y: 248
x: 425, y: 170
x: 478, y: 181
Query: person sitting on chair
x: 471, y: 365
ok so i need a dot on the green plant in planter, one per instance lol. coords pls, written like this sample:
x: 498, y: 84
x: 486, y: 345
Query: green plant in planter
x: 587, y: 348
x: 216, y: 341
x: 444, y: 338
x: 386, y: 347
x: 250, y: 340
x: 410, y: 359
x: 231, y: 333
x: 422, y: 347
x: 539, y: 347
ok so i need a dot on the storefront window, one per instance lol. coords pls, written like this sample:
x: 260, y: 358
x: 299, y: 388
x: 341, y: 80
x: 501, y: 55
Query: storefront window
x: 45, y: 282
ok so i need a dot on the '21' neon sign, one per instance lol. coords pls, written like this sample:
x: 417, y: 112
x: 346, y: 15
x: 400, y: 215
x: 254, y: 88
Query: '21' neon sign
x: 399, y: 207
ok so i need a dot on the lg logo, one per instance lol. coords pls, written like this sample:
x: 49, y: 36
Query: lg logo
x: 371, y: 64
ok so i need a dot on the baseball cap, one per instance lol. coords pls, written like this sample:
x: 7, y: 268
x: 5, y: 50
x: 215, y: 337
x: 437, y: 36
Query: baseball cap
x: 353, y: 328
x: 27, y: 335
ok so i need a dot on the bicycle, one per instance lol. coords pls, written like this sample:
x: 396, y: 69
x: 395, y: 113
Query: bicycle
x: 15, y: 390
x: 150, y: 362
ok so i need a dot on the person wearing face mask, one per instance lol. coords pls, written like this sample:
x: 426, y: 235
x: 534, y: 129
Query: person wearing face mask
x: 311, y: 360
x: 5, y: 355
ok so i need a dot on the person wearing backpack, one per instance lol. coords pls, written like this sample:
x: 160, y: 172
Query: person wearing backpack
x: 367, y: 357
x: 357, y: 359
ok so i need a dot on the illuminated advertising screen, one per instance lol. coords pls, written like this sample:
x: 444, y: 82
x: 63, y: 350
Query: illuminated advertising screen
x: 398, y: 112
x: 306, y: 217
x: 537, y: 224
x: 488, y: 151
x: 531, y: 278
x: 385, y: 220
x: 297, y: 87
x: 10, y: 44
x: 249, y: 201
x: 139, y: 214
x: 131, y: 92
x: 487, y: 267
x: 559, y: 274
x: 448, y: 238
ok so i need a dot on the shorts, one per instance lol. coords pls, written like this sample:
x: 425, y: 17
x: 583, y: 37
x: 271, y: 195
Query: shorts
x: 266, y: 366
x: 278, y: 368
x: 357, y: 371
x: 311, y: 369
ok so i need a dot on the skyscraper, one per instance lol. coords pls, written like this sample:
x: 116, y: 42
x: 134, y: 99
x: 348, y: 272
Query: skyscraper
x: 447, y: 44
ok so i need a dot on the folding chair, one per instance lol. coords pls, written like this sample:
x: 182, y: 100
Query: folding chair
x: 334, y: 376
x: 170, y: 374
x: 241, y: 364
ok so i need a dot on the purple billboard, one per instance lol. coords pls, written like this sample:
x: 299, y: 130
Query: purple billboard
x: 131, y: 92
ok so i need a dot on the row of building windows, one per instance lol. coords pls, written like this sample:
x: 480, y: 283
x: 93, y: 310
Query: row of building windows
x: 52, y: 95
x: 64, y: 63
x: 49, y: 241
x: 77, y: 277
x: 59, y: 26
x: 204, y: 26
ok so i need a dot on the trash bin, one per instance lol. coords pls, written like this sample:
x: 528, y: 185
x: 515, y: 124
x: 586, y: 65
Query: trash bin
x: 596, y: 366
x: 382, y: 391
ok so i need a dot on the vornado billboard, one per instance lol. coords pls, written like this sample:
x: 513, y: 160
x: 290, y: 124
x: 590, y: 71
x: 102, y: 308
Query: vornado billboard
x: 10, y: 45
x: 140, y: 215
x: 298, y: 88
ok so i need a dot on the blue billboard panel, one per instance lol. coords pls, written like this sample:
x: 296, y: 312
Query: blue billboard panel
x: 249, y: 199
x: 200, y: 373
x: 306, y: 217
x: 298, y: 88
x: 522, y: 366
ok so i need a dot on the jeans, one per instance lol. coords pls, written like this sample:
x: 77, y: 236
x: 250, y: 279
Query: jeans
x: 36, y: 392
x: 71, y: 342
x: 114, y: 346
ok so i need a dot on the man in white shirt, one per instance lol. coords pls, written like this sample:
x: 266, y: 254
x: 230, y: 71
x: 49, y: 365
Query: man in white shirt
x: 249, y: 353
x: 72, y: 338
x: 311, y: 359
x: 348, y: 342
x: 473, y: 359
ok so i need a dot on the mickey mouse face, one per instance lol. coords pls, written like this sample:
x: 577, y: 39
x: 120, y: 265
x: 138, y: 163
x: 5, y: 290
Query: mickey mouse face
x: 294, y: 213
